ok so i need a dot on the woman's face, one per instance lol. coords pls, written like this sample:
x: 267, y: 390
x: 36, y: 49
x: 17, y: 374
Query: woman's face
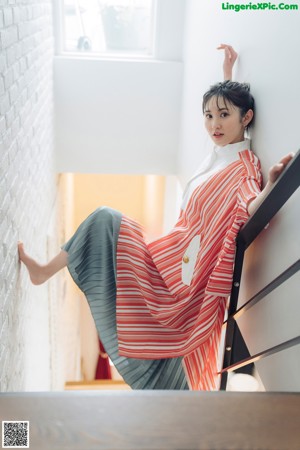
x: 223, y: 122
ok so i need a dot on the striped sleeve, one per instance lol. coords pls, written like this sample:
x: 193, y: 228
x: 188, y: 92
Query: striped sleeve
x: 250, y: 185
x: 248, y: 191
x: 220, y: 280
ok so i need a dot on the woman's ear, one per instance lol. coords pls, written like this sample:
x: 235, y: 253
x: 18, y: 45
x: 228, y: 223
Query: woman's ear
x: 247, y: 117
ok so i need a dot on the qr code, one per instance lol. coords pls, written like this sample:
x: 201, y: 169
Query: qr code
x: 15, y: 434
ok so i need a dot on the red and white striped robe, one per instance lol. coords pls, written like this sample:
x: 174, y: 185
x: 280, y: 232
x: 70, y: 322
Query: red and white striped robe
x: 158, y: 316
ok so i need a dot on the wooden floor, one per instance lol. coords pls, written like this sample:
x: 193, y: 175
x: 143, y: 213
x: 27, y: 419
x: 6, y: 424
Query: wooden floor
x: 157, y: 420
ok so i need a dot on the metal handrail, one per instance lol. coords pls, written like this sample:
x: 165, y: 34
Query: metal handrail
x: 284, y: 187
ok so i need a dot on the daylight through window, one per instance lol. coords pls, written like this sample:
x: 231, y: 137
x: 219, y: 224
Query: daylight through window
x: 123, y: 27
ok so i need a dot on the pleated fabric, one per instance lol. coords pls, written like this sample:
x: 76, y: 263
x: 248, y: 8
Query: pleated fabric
x: 92, y: 265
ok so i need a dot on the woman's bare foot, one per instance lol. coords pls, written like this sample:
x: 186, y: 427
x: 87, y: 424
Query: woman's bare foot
x: 40, y: 273
x: 36, y: 271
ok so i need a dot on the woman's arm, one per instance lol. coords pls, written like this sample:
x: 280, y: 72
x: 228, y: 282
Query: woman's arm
x: 274, y: 173
x: 230, y: 56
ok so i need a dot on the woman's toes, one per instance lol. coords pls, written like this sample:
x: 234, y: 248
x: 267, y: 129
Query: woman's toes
x: 21, y: 247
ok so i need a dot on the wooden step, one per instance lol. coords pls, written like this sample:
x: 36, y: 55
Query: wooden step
x: 119, y: 385
x: 157, y: 420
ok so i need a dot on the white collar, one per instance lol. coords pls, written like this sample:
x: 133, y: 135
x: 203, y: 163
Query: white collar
x: 226, y: 154
x: 229, y: 150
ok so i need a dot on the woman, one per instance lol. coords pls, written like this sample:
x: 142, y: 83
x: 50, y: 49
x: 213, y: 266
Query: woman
x: 159, y: 307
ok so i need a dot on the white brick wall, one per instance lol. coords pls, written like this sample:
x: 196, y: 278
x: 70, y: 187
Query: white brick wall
x: 27, y: 188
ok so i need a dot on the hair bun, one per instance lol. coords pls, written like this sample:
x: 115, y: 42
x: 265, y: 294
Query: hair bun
x: 246, y: 86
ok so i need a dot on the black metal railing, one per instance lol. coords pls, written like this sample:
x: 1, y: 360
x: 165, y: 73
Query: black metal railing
x: 286, y: 184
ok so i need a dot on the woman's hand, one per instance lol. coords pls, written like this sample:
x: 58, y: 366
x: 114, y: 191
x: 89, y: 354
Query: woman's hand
x: 274, y: 173
x: 230, y: 56
x: 278, y: 168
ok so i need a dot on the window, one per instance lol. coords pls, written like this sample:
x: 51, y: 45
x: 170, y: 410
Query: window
x: 117, y: 27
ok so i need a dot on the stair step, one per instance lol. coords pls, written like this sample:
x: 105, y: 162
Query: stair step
x: 156, y: 419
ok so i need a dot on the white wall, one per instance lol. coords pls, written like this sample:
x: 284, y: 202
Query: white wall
x: 122, y: 116
x: 38, y: 325
x: 27, y: 189
x: 117, y: 116
x: 267, y: 42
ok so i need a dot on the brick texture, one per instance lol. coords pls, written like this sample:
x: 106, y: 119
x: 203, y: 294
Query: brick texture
x: 27, y: 190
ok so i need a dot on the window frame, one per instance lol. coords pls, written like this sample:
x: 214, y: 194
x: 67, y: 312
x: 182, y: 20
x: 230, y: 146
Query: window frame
x: 59, y: 33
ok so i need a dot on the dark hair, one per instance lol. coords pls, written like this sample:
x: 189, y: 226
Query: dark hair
x: 238, y: 94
